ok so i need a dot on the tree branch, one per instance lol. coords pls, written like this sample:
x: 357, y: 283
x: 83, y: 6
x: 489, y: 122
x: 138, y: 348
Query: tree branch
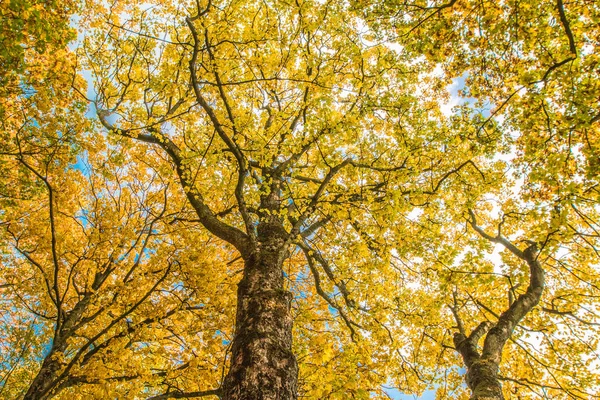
x: 206, y: 217
x: 51, y: 212
x: 231, y: 145
x: 566, y: 26
x: 315, y: 198
x: 325, y: 296
x: 508, y: 320
x: 186, y: 395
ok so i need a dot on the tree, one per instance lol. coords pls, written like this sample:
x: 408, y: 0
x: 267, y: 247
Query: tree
x: 285, y: 122
x: 530, y: 69
x: 97, y: 294
x: 310, y: 139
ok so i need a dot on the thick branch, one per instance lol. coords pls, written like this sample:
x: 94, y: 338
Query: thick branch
x: 566, y: 26
x: 186, y: 395
x: 206, y: 217
x: 499, y: 334
x: 495, y: 239
x: 315, y: 227
x: 467, y: 345
x: 231, y: 145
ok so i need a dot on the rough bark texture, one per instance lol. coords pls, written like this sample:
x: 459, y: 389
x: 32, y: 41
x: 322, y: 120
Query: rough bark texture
x: 263, y: 366
x: 482, y: 374
x: 482, y: 378
x: 42, y: 385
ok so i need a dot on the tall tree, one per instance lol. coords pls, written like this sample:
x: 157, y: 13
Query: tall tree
x: 96, y: 291
x: 528, y: 79
x: 288, y: 135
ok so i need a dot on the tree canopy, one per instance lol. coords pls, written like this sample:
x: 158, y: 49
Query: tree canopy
x: 318, y: 199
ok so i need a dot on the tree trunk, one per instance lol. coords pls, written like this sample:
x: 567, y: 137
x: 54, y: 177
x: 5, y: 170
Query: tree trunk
x: 263, y: 366
x: 482, y: 379
x: 42, y: 384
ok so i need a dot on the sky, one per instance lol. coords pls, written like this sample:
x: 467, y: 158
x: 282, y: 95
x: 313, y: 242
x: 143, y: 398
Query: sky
x: 397, y: 395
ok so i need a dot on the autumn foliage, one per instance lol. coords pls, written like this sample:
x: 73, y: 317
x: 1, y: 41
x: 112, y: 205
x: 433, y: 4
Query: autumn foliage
x: 273, y: 200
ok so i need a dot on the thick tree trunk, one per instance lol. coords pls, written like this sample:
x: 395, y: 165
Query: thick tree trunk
x: 482, y: 373
x: 482, y: 379
x: 44, y: 384
x: 263, y: 366
x: 41, y: 386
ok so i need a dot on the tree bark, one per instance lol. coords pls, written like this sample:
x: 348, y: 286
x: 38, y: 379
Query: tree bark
x: 482, y: 368
x: 43, y: 383
x: 263, y: 366
x: 482, y: 373
x: 482, y: 379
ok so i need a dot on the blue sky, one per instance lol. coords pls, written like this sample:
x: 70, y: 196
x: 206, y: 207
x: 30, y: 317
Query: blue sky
x: 397, y: 395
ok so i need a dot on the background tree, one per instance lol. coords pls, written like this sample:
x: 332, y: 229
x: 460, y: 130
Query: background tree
x: 34, y: 37
x: 98, y: 300
x: 528, y: 79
